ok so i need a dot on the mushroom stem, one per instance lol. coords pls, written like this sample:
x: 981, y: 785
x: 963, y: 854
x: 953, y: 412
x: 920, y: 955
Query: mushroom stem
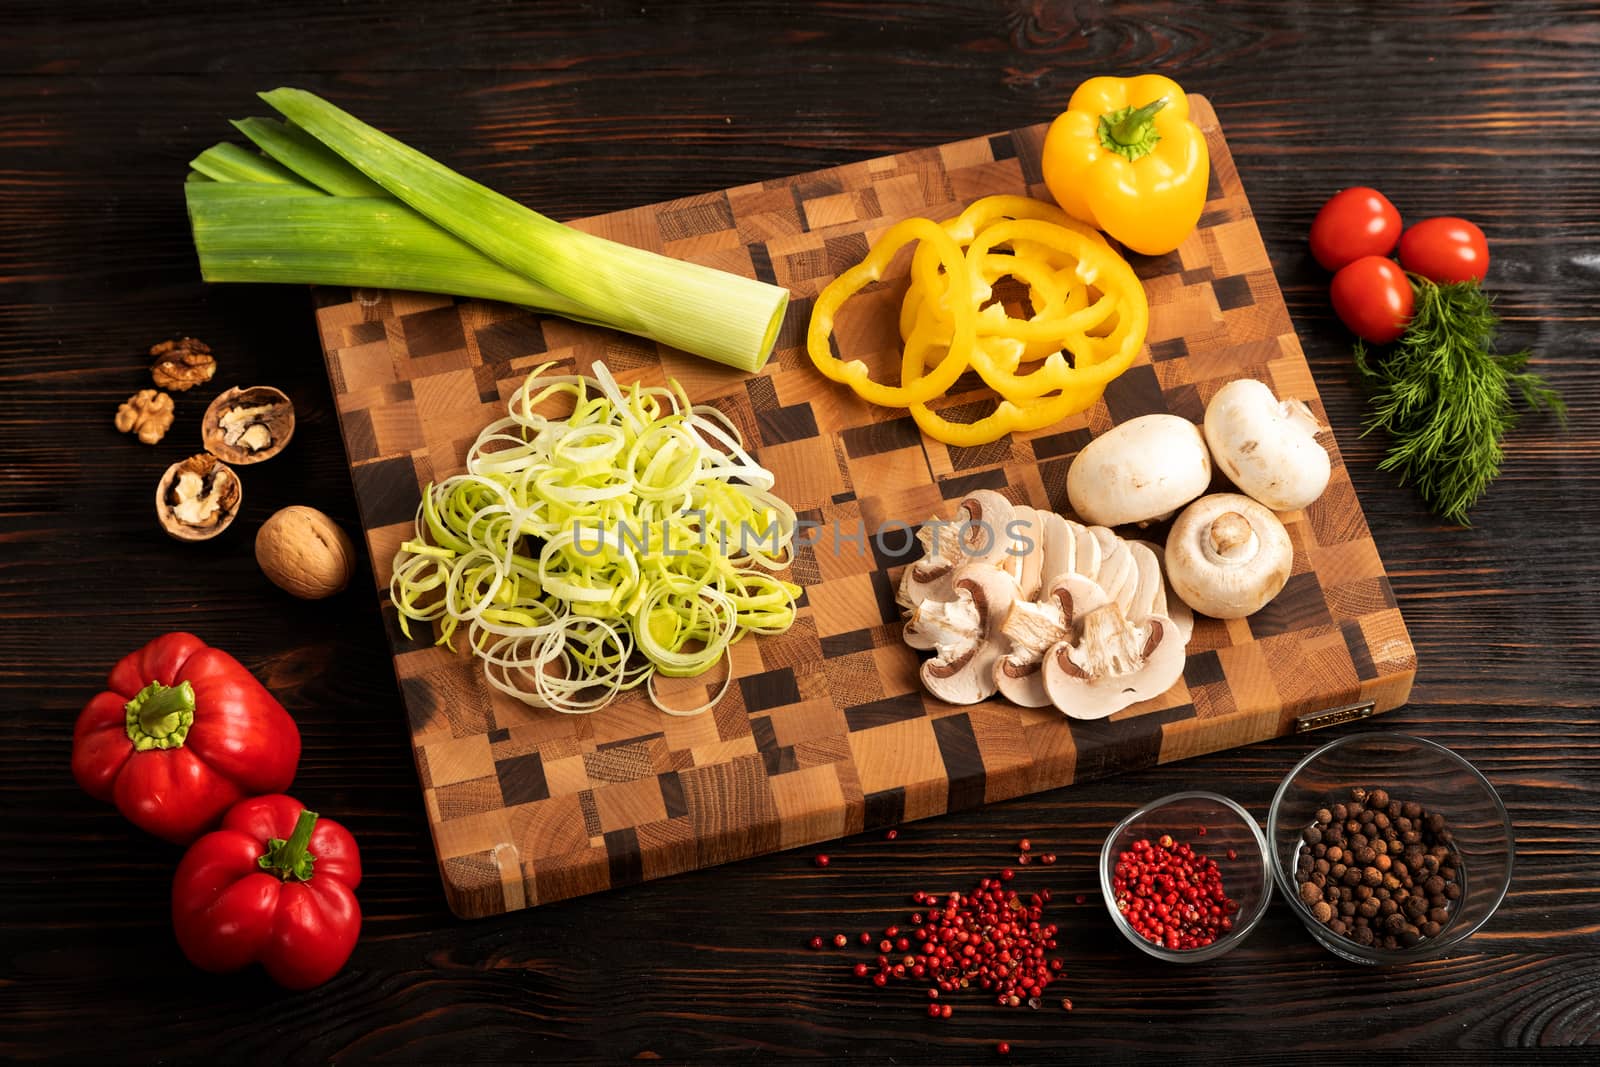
x: 1108, y: 646
x: 1231, y: 539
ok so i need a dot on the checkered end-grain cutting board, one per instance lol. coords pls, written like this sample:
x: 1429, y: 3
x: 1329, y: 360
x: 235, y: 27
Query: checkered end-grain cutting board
x: 826, y: 730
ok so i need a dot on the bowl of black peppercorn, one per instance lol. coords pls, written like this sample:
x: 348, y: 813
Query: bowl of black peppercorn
x: 1389, y: 848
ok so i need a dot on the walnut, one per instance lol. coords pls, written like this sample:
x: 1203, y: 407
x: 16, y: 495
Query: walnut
x: 248, y: 425
x: 147, y: 412
x: 198, y: 498
x: 182, y: 364
x: 305, y: 553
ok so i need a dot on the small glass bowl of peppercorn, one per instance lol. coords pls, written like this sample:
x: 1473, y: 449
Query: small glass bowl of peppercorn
x: 1389, y: 848
x: 1185, y: 877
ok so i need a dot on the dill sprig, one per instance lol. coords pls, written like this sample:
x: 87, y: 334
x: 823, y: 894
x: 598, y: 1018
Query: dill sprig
x: 1445, y: 397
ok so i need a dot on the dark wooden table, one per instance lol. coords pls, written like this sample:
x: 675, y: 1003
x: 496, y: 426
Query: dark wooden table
x: 1485, y: 110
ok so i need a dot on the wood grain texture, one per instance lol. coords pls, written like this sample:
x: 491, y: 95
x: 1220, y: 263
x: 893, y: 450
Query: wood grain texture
x: 1483, y: 110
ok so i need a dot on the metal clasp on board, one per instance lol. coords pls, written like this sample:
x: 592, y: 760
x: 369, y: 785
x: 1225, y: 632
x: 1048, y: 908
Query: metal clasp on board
x: 1318, y: 720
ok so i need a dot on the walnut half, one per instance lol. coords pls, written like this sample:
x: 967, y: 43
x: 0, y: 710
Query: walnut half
x: 248, y: 425
x: 147, y: 413
x: 182, y: 364
x: 198, y: 498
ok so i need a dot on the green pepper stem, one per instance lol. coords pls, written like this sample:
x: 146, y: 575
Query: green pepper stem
x: 1131, y: 132
x: 160, y: 716
x: 292, y: 858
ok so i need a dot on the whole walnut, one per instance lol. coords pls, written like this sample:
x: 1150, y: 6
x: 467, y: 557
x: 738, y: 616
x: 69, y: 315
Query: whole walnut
x: 148, y: 413
x: 305, y: 553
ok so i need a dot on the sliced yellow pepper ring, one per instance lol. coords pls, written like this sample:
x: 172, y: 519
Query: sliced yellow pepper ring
x: 1097, y: 362
x: 1007, y: 417
x: 962, y: 314
x: 1048, y: 288
x: 1088, y: 321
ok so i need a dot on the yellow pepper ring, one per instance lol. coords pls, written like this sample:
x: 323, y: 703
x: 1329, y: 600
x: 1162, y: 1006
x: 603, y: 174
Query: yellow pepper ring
x: 1119, y: 284
x: 854, y: 373
x: 1006, y: 417
x: 1045, y: 288
x: 989, y: 209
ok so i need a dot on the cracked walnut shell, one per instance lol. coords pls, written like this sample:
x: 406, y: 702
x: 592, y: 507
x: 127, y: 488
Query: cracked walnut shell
x: 147, y: 413
x: 182, y: 364
x: 198, y: 498
x: 248, y: 425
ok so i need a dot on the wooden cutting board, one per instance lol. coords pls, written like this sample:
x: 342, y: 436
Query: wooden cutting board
x: 826, y: 730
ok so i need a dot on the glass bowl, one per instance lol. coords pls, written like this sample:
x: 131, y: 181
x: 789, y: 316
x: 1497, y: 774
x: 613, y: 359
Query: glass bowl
x: 1410, y: 768
x: 1246, y: 877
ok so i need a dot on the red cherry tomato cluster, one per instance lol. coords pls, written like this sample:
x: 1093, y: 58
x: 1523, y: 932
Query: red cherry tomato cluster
x: 1353, y: 236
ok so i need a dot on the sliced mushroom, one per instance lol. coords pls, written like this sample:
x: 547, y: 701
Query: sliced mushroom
x: 1088, y: 560
x: 1025, y: 559
x: 1228, y: 556
x: 1168, y: 602
x: 1033, y: 628
x: 1114, y: 663
x: 966, y: 631
x: 1149, y: 595
x: 929, y: 578
x: 977, y: 534
x: 1140, y: 471
x: 1060, y: 547
x: 1119, y: 574
x: 1266, y: 447
x: 197, y: 498
x: 248, y: 425
x: 984, y: 537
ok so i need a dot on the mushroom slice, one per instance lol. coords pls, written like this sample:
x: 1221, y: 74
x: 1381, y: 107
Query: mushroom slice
x: 966, y: 633
x: 1060, y: 547
x: 1088, y: 559
x: 1228, y: 556
x: 1149, y: 596
x: 1266, y: 447
x: 984, y: 537
x: 1033, y: 628
x: 1166, y: 601
x: 1025, y: 557
x: 977, y: 534
x: 1119, y: 574
x: 1113, y: 664
x: 929, y: 578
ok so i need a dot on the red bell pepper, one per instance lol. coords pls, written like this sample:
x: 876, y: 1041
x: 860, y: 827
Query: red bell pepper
x: 275, y: 885
x: 182, y: 732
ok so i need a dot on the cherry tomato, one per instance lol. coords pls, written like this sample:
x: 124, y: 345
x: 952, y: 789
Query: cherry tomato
x: 1373, y: 297
x: 1355, y: 222
x: 1444, y: 250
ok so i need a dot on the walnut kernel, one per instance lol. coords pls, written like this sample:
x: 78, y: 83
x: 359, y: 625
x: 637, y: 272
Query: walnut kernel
x: 147, y: 413
x: 182, y: 364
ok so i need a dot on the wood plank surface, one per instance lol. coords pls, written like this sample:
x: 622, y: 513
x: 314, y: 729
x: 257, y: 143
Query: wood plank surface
x: 1453, y: 108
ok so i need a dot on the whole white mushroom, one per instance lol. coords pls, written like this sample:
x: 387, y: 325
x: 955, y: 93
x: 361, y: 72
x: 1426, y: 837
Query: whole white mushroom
x: 1267, y: 447
x: 1228, y: 556
x: 1139, y: 471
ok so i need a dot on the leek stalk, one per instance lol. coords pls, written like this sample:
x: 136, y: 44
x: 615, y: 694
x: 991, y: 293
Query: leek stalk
x: 357, y: 207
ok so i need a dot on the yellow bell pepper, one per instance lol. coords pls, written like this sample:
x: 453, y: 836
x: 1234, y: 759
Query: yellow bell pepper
x: 1125, y: 158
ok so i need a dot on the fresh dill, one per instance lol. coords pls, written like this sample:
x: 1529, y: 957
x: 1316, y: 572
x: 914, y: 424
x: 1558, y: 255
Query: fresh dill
x: 1445, y: 397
